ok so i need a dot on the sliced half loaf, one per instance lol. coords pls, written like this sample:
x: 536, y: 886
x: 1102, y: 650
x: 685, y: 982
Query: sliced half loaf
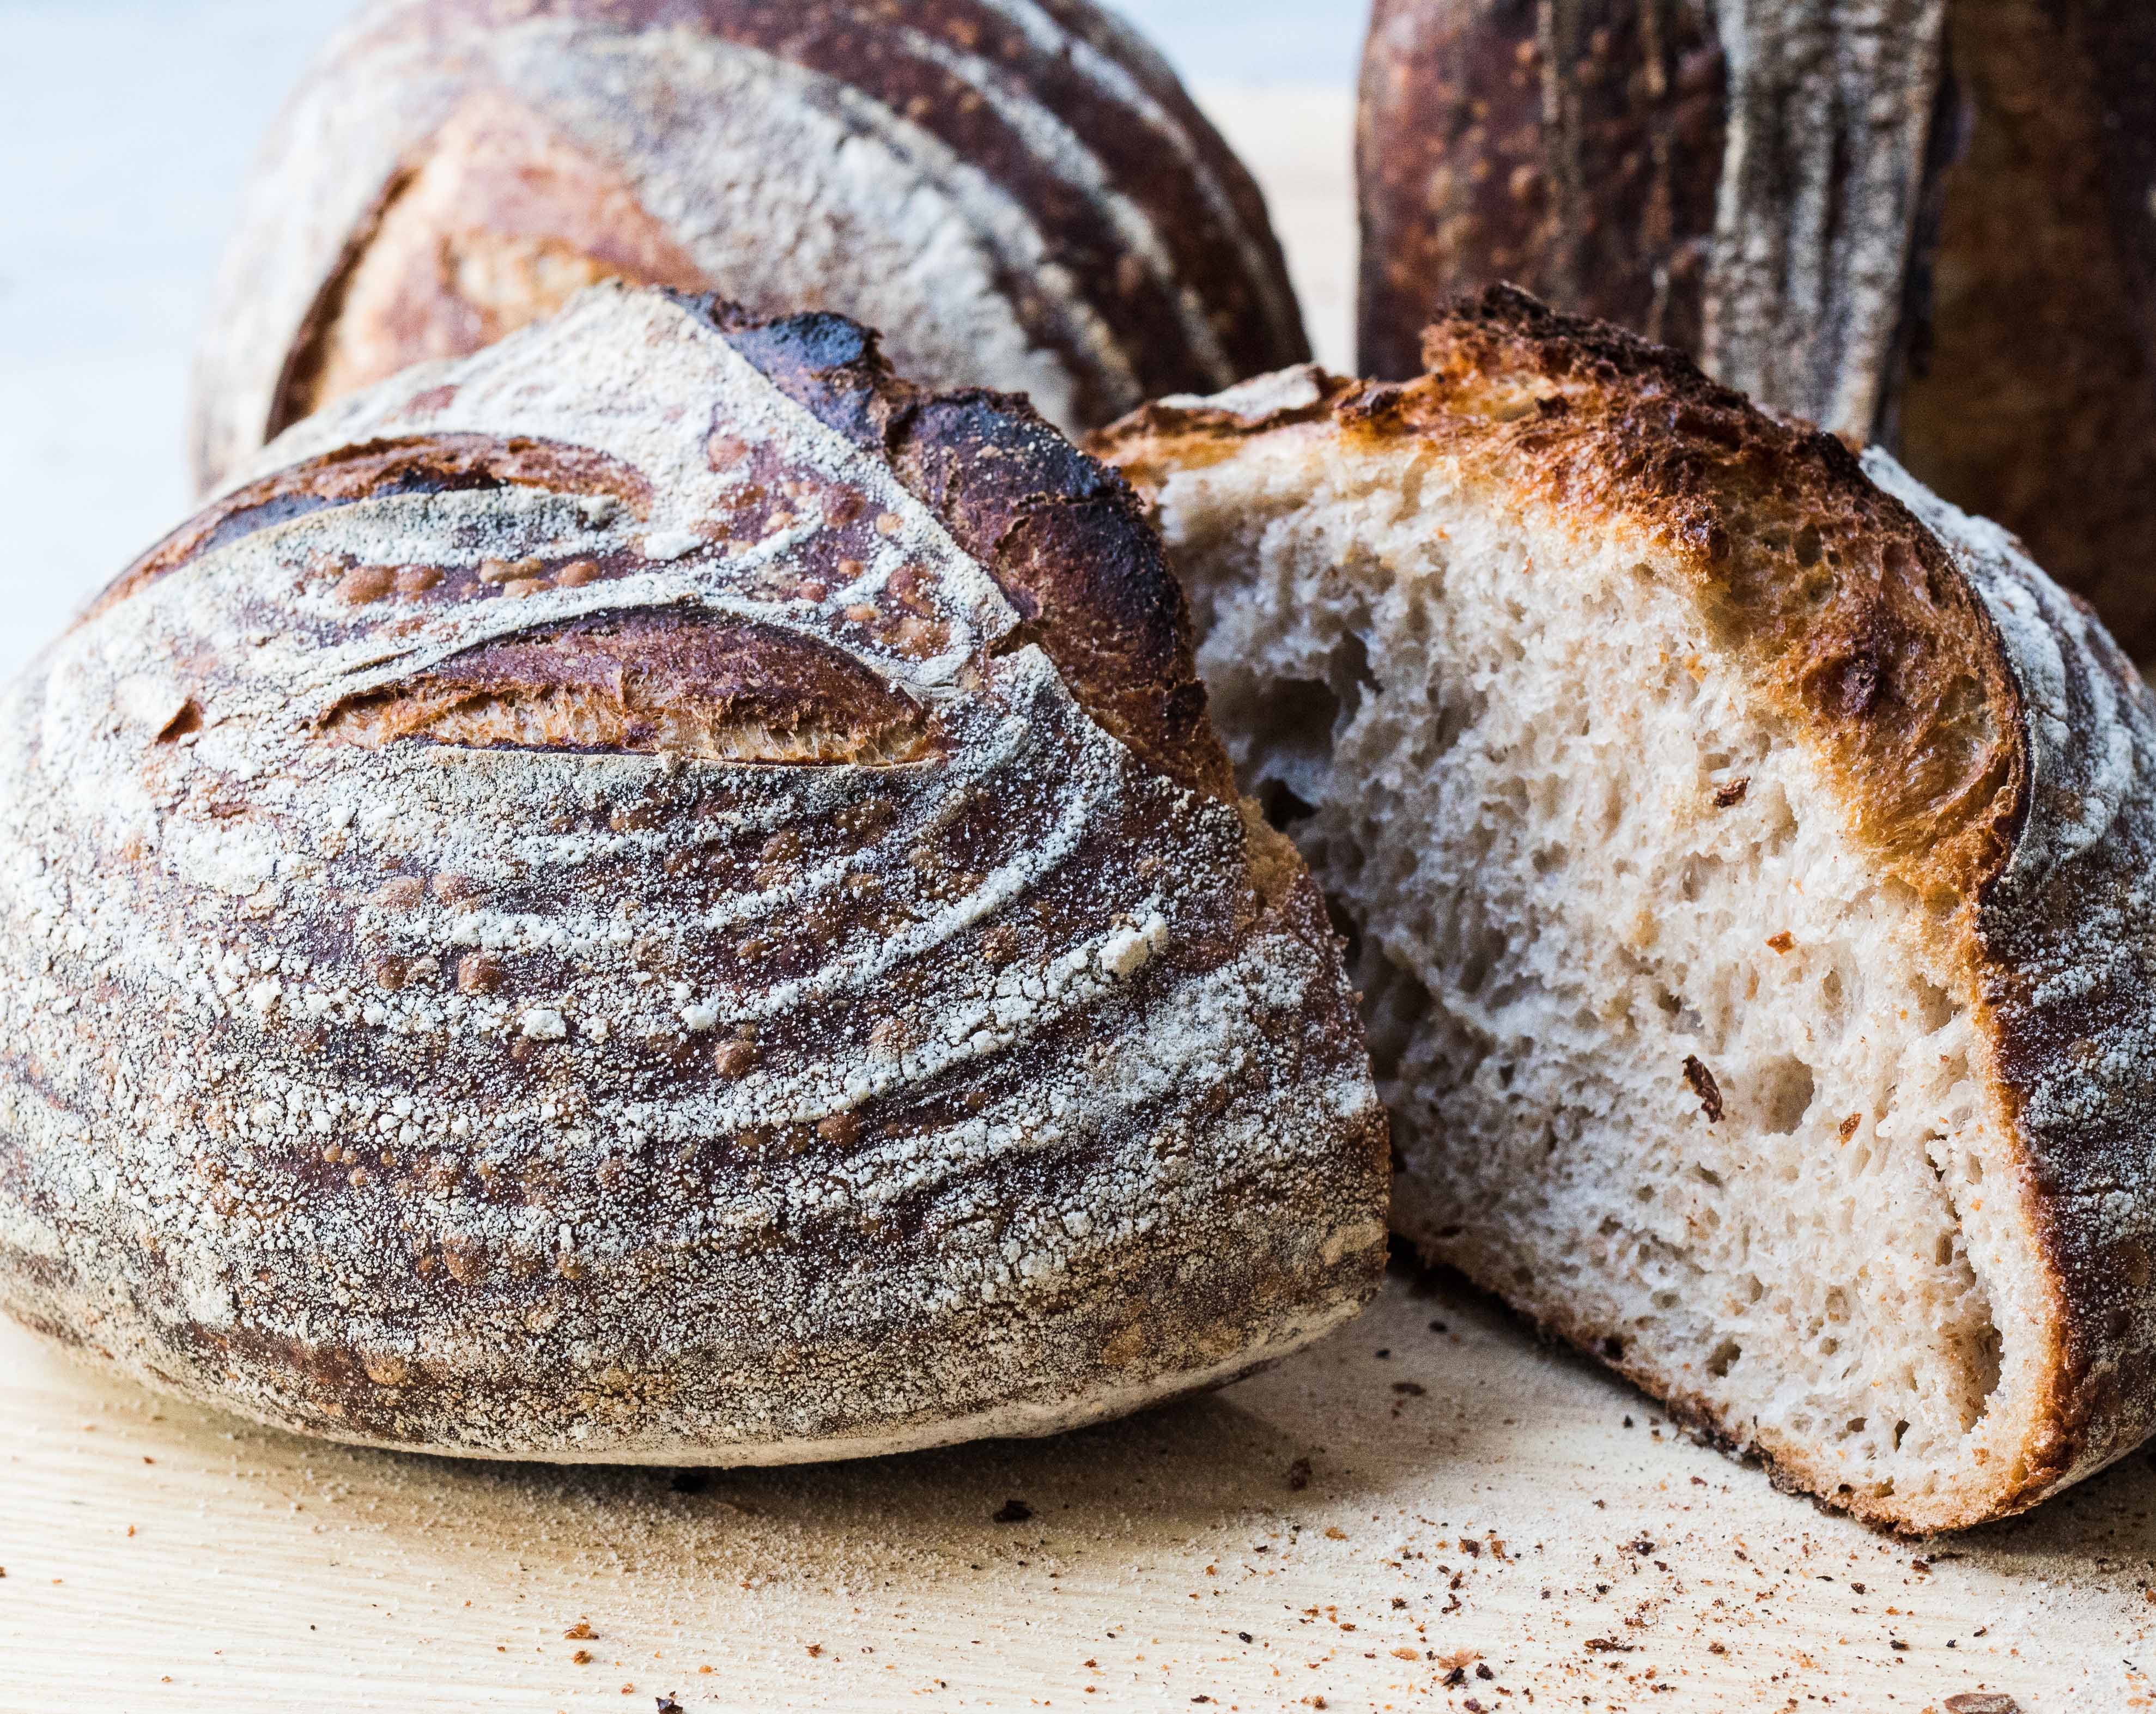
x: 1748, y: 859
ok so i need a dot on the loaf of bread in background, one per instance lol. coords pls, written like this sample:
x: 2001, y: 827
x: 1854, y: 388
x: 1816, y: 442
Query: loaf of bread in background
x: 1018, y: 195
x: 655, y: 893
x: 1924, y: 226
x: 1748, y: 857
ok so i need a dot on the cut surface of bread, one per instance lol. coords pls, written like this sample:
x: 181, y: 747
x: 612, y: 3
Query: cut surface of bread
x: 1689, y: 803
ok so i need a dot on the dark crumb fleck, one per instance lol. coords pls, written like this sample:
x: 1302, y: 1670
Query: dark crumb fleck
x: 1628, y: 1422
x: 1717, y: 1648
x: 1244, y: 1635
x: 1859, y: 1587
x: 582, y: 1632
x: 1483, y: 1671
x: 1013, y: 1512
x: 1439, y: 1327
x: 1730, y: 796
x: 1298, y: 1475
x: 1411, y: 1389
x: 1982, y: 1702
x: 667, y: 1705
x: 1384, y: 1351
x: 1608, y: 1646
x: 1457, y: 1676
x: 1642, y: 1546
x: 1703, y: 1085
x: 1898, y: 1646
x: 1399, y: 1602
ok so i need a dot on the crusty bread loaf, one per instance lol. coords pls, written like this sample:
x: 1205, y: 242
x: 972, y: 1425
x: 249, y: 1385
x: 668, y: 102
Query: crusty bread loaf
x: 1919, y: 224
x: 656, y: 893
x: 1017, y: 192
x: 1747, y: 856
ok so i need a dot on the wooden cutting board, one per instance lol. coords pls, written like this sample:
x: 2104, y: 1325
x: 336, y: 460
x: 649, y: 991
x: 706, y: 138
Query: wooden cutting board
x: 1427, y: 1497
x: 1428, y: 1512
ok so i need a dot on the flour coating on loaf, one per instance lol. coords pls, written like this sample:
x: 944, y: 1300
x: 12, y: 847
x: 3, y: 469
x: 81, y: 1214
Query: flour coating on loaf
x: 570, y: 915
x: 1745, y: 870
x: 1018, y: 193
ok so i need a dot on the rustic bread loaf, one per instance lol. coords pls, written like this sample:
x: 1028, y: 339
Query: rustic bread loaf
x: 655, y: 893
x: 1017, y: 192
x: 1924, y: 225
x: 1748, y: 857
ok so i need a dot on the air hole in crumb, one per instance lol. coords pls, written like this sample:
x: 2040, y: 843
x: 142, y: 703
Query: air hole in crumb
x: 1784, y: 1094
x: 1281, y: 805
x: 1900, y: 1429
x: 1724, y: 1358
x: 1933, y: 1005
x: 1483, y: 952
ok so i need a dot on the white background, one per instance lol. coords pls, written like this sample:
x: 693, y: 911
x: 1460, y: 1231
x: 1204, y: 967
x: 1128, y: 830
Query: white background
x: 127, y: 127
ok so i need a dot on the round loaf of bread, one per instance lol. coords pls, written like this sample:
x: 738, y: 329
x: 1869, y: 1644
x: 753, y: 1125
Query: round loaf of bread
x: 1920, y: 225
x: 656, y: 893
x: 1018, y: 192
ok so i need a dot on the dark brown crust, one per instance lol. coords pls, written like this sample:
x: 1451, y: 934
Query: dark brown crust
x: 2028, y: 326
x: 1249, y: 301
x: 1572, y: 148
x: 1063, y: 533
x: 1869, y: 627
x: 2035, y: 397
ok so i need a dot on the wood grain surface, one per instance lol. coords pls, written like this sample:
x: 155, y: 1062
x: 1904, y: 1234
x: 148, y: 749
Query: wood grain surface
x: 1429, y: 1497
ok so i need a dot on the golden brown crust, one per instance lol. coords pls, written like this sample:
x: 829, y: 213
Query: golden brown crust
x: 1993, y: 748
x: 1855, y: 614
x: 500, y: 225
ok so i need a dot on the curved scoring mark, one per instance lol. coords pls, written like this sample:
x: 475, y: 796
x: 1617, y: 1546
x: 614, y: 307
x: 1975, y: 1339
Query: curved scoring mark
x: 646, y: 683
x: 427, y: 463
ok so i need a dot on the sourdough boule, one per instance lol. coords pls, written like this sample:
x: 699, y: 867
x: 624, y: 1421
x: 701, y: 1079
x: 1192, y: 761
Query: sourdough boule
x: 1017, y: 193
x: 1748, y: 857
x: 657, y: 894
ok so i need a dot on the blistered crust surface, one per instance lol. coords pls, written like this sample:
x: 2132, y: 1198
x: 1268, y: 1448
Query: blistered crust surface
x: 859, y: 1053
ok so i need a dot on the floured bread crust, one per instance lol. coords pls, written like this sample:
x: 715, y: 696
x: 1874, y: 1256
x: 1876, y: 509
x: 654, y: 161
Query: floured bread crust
x: 1018, y: 192
x: 1993, y: 752
x: 657, y: 894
